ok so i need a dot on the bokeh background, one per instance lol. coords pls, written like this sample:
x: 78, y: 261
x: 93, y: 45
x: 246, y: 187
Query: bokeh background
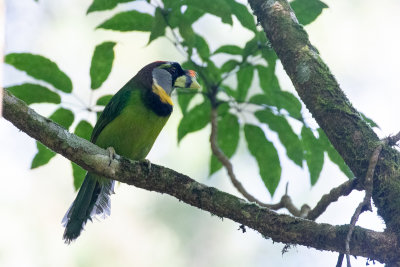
x: 358, y: 40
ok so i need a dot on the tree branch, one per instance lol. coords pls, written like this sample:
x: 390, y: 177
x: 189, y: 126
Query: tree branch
x: 342, y: 190
x: 366, y: 203
x: 285, y: 202
x: 280, y: 228
x: 352, y: 137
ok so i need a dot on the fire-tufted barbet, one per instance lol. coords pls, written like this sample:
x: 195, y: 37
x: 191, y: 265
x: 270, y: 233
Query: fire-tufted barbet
x: 129, y: 125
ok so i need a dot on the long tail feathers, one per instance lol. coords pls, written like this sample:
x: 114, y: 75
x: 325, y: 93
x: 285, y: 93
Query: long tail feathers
x: 92, y: 201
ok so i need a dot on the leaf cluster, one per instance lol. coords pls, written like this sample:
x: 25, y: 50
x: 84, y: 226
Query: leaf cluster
x: 240, y: 82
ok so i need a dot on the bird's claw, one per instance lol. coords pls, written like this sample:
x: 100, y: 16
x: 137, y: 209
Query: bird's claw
x: 111, y: 154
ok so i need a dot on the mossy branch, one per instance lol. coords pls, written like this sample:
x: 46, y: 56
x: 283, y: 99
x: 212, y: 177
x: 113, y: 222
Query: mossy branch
x: 280, y: 228
x: 352, y: 137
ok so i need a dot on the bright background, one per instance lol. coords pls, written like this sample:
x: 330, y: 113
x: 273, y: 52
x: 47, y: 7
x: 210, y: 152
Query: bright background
x: 357, y: 39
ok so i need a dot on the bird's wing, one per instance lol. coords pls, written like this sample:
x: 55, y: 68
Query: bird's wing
x: 111, y: 111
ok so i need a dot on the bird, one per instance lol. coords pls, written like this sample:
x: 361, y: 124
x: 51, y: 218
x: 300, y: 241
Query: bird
x: 128, y: 126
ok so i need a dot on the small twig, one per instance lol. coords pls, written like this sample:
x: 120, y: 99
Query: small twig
x: 340, y: 260
x: 366, y: 203
x: 342, y: 190
x: 285, y: 202
x: 225, y: 160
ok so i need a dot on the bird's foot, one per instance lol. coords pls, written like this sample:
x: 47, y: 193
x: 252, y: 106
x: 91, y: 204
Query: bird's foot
x: 111, y: 154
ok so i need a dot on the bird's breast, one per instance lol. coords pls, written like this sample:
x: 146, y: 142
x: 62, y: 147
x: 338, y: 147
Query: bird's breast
x: 133, y: 132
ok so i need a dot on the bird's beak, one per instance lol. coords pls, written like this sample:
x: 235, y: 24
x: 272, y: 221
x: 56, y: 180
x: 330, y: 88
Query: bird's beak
x: 187, y: 81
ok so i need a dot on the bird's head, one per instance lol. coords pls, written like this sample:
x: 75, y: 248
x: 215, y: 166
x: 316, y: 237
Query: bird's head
x: 170, y: 75
x: 162, y: 77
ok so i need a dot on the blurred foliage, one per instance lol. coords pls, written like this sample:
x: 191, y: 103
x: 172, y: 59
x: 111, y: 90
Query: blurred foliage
x: 261, y: 112
x: 101, y: 66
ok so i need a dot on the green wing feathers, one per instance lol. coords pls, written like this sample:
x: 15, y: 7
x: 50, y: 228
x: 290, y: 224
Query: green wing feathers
x: 130, y: 123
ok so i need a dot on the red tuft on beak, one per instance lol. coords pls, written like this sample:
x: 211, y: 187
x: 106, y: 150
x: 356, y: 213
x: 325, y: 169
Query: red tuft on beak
x: 192, y: 73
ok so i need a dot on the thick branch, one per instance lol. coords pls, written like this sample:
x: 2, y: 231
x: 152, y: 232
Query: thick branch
x: 319, y: 90
x: 280, y: 228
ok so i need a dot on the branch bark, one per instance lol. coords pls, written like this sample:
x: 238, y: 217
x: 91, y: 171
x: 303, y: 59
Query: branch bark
x: 319, y: 90
x: 280, y: 228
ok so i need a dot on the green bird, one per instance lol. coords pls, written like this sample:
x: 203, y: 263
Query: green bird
x: 130, y: 123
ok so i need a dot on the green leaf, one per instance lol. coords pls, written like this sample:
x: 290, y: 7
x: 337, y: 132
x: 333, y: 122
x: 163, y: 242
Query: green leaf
x: 202, y: 47
x: 251, y: 48
x: 273, y: 96
x: 129, y: 21
x: 103, y: 101
x: 314, y: 154
x: 187, y: 33
x: 212, y: 72
x: 243, y: 14
x: 34, y: 93
x: 256, y: 45
x: 83, y: 129
x: 79, y: 175
x: 268, y: 80
x: 40, y: 68
x: 290, y: 103
x: 290, y: 140
x: 43, y: 156
x: 195, y: 119
x: 229, y: 49
x: 281, y: 100
x: 270, y: 56
x: 228, y: 90
x: 265, y: 155
x: 99, y: 5
x: 244, y: 79
x: 173, y: 15
x: 370, y: 122
x: 223, y: 109
x: 184, y: 99
x: 333, y: 155
x: 170, y: 3
x: 229, y: 66
x: 218, y: 8
x: 102, y: 62
x: 307, y: 10
x: 63, y: 116
x: 159, y: 25
x: 193, y: 14
x: 227, y: 139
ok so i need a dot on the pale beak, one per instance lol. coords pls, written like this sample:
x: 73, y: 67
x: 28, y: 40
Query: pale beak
x: 187, y: 81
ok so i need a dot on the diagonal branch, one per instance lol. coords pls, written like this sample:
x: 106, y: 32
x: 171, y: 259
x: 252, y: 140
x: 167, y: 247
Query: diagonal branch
x: 351, y: 136
x: 285, y: 202
x: 280, y: 228
x: 342, y: 190
x: 366, y: 203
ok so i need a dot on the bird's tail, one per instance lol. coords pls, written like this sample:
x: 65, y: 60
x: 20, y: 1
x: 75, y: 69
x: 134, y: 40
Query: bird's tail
x: 93, y: 200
